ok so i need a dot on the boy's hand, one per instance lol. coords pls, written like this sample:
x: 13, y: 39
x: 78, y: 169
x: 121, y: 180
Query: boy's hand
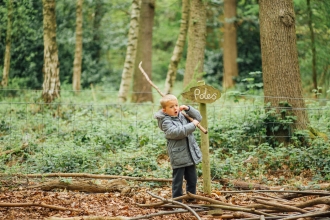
x: 184, y: 107
x: 195, y: 122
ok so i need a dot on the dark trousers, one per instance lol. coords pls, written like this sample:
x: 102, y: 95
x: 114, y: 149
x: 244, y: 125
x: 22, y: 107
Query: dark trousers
x: 189, y: 174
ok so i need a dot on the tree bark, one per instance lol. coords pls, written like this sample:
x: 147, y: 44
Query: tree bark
x: 119, y: 185
x: 126, y: 76
x: 178, y: 49
x: 79, y: 46
x: 6, y: 66
x: 196, y: 40
x: 281, y: 74
x: 310, y: 25
x: 99, y: 12
x: 229, y: 44
x: 142, y: 91
x: 51, y: 84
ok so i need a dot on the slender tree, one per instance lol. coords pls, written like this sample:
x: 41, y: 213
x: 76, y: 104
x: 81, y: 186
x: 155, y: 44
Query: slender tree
x: 142, y: 91
x: 311, y: 29
x: 51, y: 85
x: 178, y: 49
x: 99, y: 12
x: 6, y: 66
x: 196, y: 40
x: 229, y: 44
x: 79, y: 47
x: 126, y: 76
x: 280, y: 67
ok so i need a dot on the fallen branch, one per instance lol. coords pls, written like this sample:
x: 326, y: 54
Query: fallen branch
x: 280, y: 206
x: 85, y: 175
x: 89, y: 218
x: 24, y: 145
x: 317, y: 201
x: 85, y: 186
x: 178, y: 203
x: 29, y: 204
x: 323, y: 193
x: 311, y: 214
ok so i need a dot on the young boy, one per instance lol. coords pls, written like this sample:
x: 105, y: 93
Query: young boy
x: 181, y: 144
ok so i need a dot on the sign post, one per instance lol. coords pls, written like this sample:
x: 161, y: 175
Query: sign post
x: 204, y: 94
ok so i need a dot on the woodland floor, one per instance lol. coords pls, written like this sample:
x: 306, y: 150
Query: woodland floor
x: 105, y: 204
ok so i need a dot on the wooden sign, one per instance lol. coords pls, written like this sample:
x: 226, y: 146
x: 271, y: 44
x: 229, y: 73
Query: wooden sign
x: 202, y: 94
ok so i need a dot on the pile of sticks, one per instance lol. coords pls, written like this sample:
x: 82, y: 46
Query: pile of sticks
x: 266, y: 206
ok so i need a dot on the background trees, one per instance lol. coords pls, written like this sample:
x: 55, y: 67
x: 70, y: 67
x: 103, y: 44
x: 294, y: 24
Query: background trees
x: 106, y: 26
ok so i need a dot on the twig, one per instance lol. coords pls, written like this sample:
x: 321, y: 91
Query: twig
x: 178, y: 203
x: 311, y: 214
x: 279, y: 191
x: 161, y: 203
x: 163, y: 213
x: 37, y: 204
x: 85, y: 175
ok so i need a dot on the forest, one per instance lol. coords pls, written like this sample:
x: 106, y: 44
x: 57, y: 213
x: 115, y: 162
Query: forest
x: 81, y: 81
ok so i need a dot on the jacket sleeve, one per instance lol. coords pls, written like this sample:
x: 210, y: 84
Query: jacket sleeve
x: 175, y: 131
x: 194, y: 113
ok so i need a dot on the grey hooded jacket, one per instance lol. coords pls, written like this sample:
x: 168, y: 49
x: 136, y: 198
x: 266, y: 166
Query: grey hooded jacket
x: 181, y: 143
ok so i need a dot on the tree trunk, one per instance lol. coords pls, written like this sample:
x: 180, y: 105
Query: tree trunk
x: 51, y: 84
x: 281, y: 74
x: 196, y: 40
x: 142, y: 91
x: 126, y: 77
x: 229, y: 44
x: 6, y: 66
x: 99, y: 12
x: 178, y: 49
x: 310, y: 25
x: 78, y: 51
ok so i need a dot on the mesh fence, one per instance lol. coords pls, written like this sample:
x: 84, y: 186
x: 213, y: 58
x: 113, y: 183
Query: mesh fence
x: 98, y: 136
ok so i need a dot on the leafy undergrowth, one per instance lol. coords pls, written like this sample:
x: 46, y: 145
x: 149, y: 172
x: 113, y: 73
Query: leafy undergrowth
x: 105, y: 204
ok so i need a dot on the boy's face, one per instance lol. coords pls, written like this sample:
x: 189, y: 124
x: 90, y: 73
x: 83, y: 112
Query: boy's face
x: 172, y: 108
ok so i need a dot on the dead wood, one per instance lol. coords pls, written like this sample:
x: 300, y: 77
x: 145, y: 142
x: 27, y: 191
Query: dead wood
x: 317, y: 201
x: 242, y: 209
x: 89, y: 218
x: 212, y: 201
x: 85, y: 175
x: 319, y: 193
x: 24, y: 145
x: 29, y: 204
x: 122, y: 217
x: 177, y: 203
x: 311, y: 214
x: 275, y: 205
x: 162, y: 203
x: 118, y: 185
x: 243, y: 185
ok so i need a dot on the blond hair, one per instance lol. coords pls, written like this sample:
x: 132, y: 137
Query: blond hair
x: 166, y: 98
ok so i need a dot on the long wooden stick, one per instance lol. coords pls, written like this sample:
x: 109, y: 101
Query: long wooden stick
x: 162, y: 94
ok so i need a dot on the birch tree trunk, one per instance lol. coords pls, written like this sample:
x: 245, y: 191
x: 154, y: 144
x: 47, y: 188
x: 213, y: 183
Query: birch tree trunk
x: 281, y: 74
x: 229, y: 44
x: 142, y: 91
x: 178, y: 49
x: 126, y: 76
x: 78, y: 51
x: 196, y: 40
x: 6, y: 66
x: 51, y: 84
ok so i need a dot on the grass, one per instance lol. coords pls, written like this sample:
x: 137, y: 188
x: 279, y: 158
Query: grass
x: 92, y: 133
